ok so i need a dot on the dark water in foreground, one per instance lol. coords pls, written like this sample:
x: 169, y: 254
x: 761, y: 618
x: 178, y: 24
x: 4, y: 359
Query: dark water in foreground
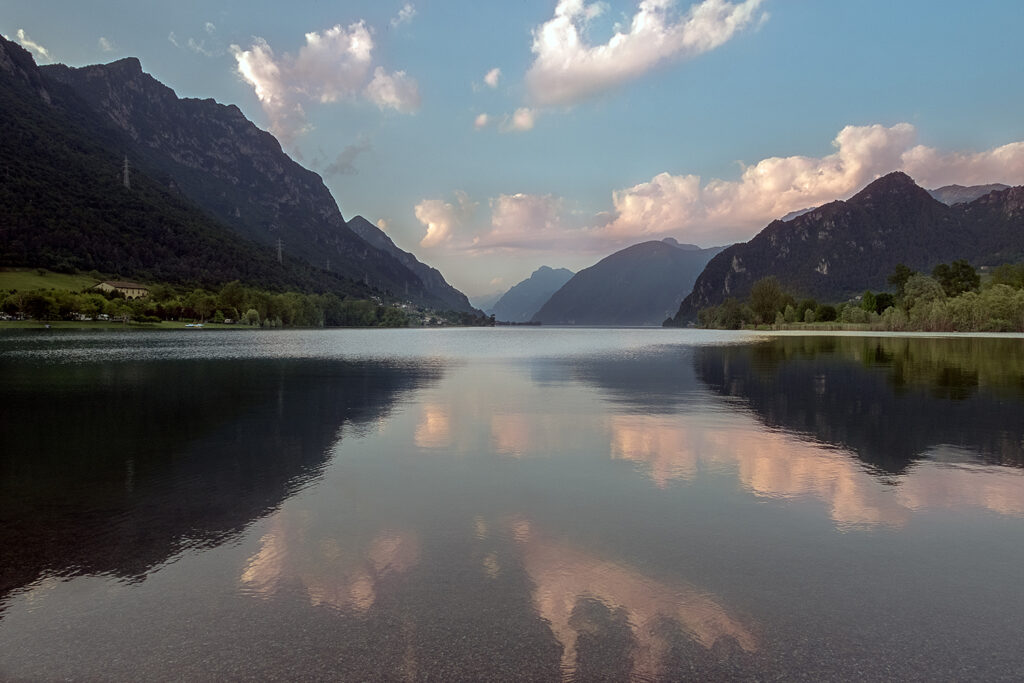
x: 495, y: 504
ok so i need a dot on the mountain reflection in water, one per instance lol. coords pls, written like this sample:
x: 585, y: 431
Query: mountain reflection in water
x: 148, y: 459
x: 646, y: 510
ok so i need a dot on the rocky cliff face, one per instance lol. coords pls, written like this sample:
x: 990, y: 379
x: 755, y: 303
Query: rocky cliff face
x: 842, y: 248
x: 221, y: 161
x: 432, y: 279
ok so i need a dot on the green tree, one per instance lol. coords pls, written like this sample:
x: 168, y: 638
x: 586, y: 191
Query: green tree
x: 884, y: 300
x: 767, y: 298
x: 899, y: 276
x: 921, y: 289
x: 957, y: 277
x: 868, y: 301
x: 1009, y: 274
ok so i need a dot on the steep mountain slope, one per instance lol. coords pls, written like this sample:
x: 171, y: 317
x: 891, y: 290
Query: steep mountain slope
x: 63, y: 204
x: 220, y: 160
x: 519, y: 303
x: 841, y: 248
x: 954, y: 194
x: 431, y: 278
x: 639, y: 285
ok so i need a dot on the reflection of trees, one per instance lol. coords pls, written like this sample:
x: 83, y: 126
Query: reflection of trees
x: 887, y: 399
x: 114, y: 468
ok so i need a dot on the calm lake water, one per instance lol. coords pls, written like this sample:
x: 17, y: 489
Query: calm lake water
x: 510, y: 503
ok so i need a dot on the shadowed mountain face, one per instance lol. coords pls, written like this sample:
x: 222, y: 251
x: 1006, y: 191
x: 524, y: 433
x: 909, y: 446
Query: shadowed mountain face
x: 64, y: 204
x: 110, y: 490
x: 212, y: 165
x: 842, y: 248
x: 640, y: 285
x: 237, y: 172
x: 431, y: 278
x: 891, y: 401
x: 518, y: 304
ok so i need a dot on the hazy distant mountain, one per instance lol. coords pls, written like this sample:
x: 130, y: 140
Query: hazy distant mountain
x: 432, y: 279
x: 799, y: 212
x: 640, y: 285
x: 842, y: 248
x: 954, y: 194
x: 485, y: 302
x: 518, y: 304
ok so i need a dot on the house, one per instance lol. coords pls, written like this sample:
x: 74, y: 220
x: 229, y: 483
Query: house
x: 131, y: 290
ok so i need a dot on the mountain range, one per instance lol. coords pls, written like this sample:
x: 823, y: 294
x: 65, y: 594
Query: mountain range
x: 521, y: 302
x: 841, y: 248
x: 201, y: 161
x: 639, y: 285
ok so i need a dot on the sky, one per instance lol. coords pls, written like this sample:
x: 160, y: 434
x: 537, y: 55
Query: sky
x: 492, y: 138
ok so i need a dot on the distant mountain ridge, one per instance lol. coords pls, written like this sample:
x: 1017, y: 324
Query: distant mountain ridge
x: 639, y: 285
x: 955, y: 194
x: 843, y: 247
x: 522, y: 301
x: 218, y: 159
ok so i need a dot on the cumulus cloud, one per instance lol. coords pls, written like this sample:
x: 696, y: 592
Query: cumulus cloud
x: 32, y: 46
x: 344, y: 163
x: 524, y: 221
x: 934, y: 169
x: 393, y: 91
x: 521, y: 120
x: 481, y: 121
x: 442, y: 218
x: 404, y: 15
x: 333, y: 64
x: 567, y: 69
x: 766, y: 190
x: 492, y: 77
x: 105, y: 45
x: 719, y: 211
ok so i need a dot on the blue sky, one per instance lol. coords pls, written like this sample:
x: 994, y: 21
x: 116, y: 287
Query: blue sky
x: 609, y: 123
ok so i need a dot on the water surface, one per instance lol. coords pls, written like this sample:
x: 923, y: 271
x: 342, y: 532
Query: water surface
x: 495, y: 503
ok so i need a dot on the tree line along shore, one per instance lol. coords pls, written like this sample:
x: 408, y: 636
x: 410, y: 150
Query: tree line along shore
x: 233, y: 303
x: 952, y: 299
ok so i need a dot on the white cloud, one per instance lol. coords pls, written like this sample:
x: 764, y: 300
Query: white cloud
x: 934, y: 169
x: 481, y: 121
x: 393, y: 91
x: 524, y: 220
x: 333, y: 64
x: 722, y: 211
x: 405, y: 15
x: 32, y: 46
x: 105, y: 45
x: 209, y: 28
x: 442, y: 218
x: 566, y: 69
x: 521, y: 120
x: 492, y: 77
x: 383, y: 224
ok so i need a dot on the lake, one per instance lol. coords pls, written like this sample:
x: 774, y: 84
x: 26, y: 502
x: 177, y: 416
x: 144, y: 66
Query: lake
x: 494, y: 504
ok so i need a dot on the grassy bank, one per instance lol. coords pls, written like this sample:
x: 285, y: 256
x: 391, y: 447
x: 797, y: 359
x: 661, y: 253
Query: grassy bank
x: 25, y: 279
